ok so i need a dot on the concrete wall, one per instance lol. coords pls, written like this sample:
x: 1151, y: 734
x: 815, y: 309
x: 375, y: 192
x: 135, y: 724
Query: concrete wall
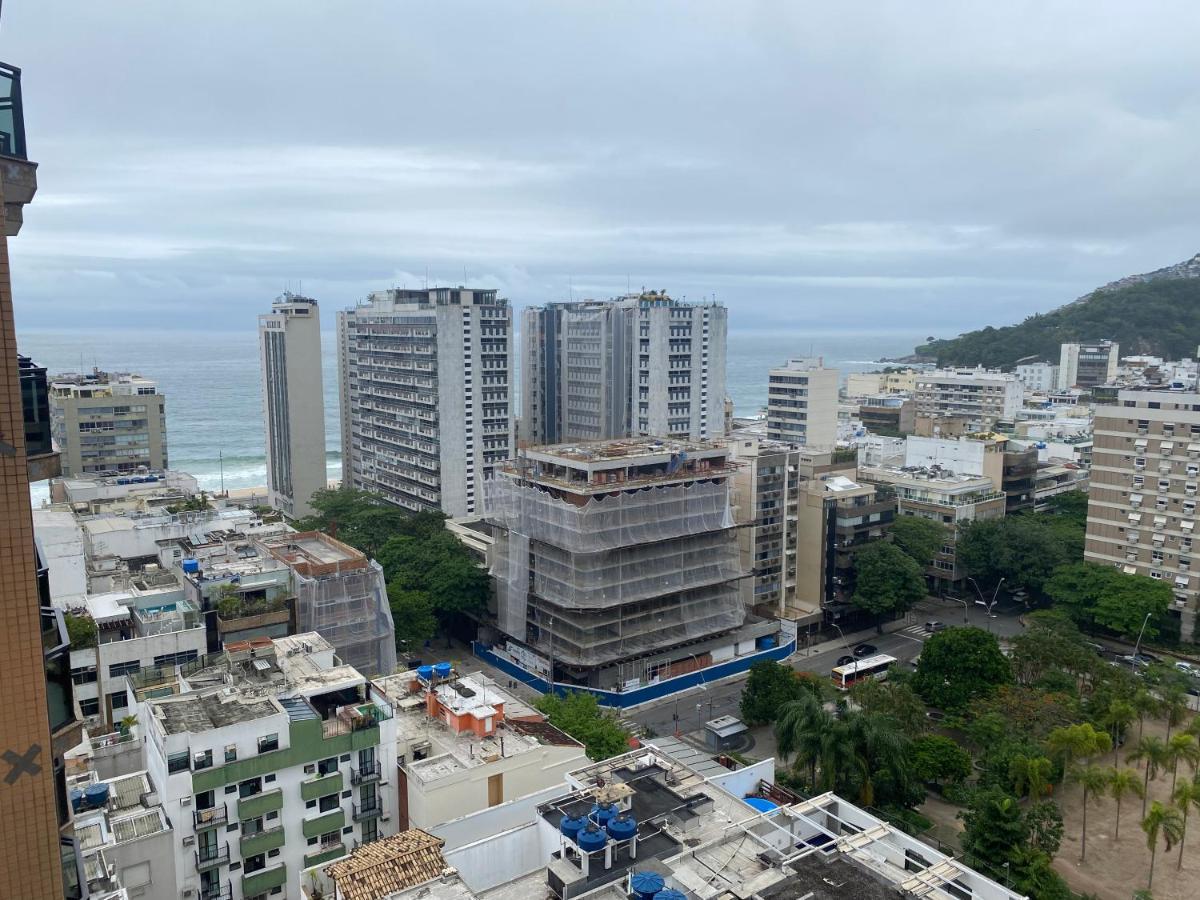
x: 500, y: 858
x: 475, y: 826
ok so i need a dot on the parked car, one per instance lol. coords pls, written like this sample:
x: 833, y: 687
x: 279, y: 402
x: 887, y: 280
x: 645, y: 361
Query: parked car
x: 933, y: 626
x: 843, y: 661
x: 865, y: 650
x: 1138, y: 660
x: 1187, y: 668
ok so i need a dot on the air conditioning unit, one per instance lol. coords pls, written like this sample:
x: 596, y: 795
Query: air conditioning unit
x: 189, y: 840
x: 185, y: 801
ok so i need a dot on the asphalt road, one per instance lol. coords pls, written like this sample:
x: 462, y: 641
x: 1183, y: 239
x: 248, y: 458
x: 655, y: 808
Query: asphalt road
x: 696, y: 706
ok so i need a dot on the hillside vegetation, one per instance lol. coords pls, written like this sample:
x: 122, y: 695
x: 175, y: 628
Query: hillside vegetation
x: 1160, y: 317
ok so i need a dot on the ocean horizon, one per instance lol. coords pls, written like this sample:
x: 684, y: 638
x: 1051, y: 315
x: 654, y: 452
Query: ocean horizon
x: 211, y: 381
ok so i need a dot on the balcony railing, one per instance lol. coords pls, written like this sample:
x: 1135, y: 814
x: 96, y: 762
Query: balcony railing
x: 12, y: 115
x: 208, y: 857
x: 211, y: 817
x: 363, y: 774
x: 369, y: 809
x: 217, y: 892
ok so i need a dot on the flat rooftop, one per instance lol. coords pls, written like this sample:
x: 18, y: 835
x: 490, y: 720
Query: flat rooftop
x: 311, y: 553
x: 190, y: 713
x: 628, y: 449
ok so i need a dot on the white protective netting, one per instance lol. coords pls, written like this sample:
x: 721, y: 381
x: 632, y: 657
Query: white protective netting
x: 351, y: 611
x: 609, y: 521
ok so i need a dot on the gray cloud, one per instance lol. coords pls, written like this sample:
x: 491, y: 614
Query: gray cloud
x: 928, y: 167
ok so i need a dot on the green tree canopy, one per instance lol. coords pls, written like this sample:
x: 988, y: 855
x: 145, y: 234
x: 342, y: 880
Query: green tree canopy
x: 960, y: 665
x: 81, y: 630
x: 886, y: 580
x: 580, y: 715
x: 919, y: 538
x: 1024, y: 549
x: 894, y: 697
x: 1071, y: 505
x: 413, y: 617
x: 769, y: 687
x: 1105, y: 597
x: 938, y: 759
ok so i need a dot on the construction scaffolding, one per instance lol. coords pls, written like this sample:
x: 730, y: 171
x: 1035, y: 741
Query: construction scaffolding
x: 350, y: 610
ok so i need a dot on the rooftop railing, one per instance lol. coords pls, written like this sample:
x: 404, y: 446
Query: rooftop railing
x: 12, y: 116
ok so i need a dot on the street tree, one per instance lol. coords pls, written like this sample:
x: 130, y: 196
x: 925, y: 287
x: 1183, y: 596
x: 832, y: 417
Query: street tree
x: 940, y: 760
x: 1097, y: 596
x: 1151, y: 750
x: 918, y: 538
x: 1094, y: 781
x: 886, y: 580
x: 1122, y: 781
x: 958, y: 666
x: 769, y: 688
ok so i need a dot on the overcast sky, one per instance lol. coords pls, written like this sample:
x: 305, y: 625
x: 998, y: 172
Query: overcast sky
x: 928, y: 167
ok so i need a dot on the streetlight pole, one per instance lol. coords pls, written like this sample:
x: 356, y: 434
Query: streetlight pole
x: 845, y: 643
x: 987, y: 604
x: 966, y: 621
x: 1138, y: 645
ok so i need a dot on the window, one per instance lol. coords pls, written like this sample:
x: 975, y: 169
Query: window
x: 331, y: 837
x: 84, y: 675
x: 252, y: 826
x: 175, y: 659
x: 118, y: 700
x: 116, y: 670
x: 250, y: 787
x: 231, y: 753
x: 327, y: 766
x: 268, y: 742
x: 202, y: 760
x: 370, y: 830
x: 255, y: 863
x: 177, y: 762
x: 329, y: 802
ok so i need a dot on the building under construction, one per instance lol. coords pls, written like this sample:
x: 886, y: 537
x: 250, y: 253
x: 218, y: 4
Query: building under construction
x: 340, y: 594
x: 616, y: 562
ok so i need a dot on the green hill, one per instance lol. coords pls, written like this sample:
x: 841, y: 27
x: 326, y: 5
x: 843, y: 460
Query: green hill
x: 1157, y: 313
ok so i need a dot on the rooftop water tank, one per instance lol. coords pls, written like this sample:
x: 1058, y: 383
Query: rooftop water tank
x: 191, y: 566
x: 766, y: 642
x: 96, y: 795
x: 592, y: 839
x: 425, y: 673
x: 646, y: 884
x: 622, y: 827
x: 76, y: 799
x: 570, y: 826
x: 443, y: 670
x: 669, y: 894
x: 602, y: 813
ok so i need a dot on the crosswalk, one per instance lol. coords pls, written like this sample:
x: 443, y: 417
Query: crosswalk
x: 918, y: 631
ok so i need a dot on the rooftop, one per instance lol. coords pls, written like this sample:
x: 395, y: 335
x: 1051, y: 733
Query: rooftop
x: 313, y: 554
x: 624, y: 449
x: 388, y: 865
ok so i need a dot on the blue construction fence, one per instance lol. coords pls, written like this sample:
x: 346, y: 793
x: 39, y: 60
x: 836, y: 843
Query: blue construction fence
x: 656, y: 691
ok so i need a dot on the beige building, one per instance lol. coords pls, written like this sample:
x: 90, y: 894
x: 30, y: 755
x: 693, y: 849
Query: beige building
x: 870, y: 384
x: 802, y: 403
x: 979, y: 396
x: 108, y: 422
x: 1142, y: 498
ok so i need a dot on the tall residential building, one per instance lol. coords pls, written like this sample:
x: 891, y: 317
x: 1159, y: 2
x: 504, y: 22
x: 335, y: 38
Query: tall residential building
x: 802, y: 403
x: 640, y: 364
x: 980, y: 398
x: 617, y: 562
x: 1038, y: 376
x: 1085, y: 365
x: 1142, y: 500
x: 108, y: 422
x: 29, y: 816
x: 270, y: 757
x: 289, y: 339
x: 426, y: 395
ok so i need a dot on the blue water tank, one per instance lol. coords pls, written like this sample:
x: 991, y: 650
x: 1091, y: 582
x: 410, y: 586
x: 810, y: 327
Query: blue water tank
x: 622, y: 827
x: 425, y: 673
x: 591, y: 839
x: 602, y: 813
x: 570, y: 826
x: 191, y: 566
x: 96, y: 795
x: 766, y: 642
x: 646, y: 884
x: 443, y: 670
x: 76, y: 799
x: 669, y: 894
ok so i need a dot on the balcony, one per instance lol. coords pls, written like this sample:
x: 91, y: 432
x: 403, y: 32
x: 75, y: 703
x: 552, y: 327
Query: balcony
x: 264, y: 880
x: 319, y: 787
x: 210, y: 857
x: 366, y: 774
x: 333, y: 820
x: 369, y: 809
x: 12, y: 116
x: 261, y: 841
x: 211, y: 817
x: 260, y: 804
x: 217, y: 892
x: 325, y: 853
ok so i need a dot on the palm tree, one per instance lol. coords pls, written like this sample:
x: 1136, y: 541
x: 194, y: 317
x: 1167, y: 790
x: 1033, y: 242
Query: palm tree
x: 1094, y: 781
x: 1119, y: 716
x: 879, y: 748
x: 1185, y: 797
x: 1182, y: 746
x: 1153, y: 752
x: 1166, y: 821
x: 1146, y: 704
x: 1174, y: 706
x: 800, y: 730
x: 1030, y: 775
x: 1072, y: 742
x: 1120, y: 783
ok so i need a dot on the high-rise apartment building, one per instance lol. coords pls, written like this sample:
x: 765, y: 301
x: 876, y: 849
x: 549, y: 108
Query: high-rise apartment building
x: 978, y: 397
x: 1143, y: 493
x: 31, y: 808
x: 802, y: 403
x: 289, y: 339
x: 426, y: 393
x: 1085, y: 365
x: 640, y: 364
x: 108, y: 422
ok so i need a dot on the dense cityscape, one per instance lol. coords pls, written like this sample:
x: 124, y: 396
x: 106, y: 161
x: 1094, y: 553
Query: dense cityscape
x: 569, y: 624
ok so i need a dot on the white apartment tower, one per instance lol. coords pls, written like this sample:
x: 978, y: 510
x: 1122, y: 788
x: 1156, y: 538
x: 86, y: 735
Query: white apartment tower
x: 641, y: 364
x: 289, y: 338
x: 802, y: 403
x: 426, y: 395
x: 1086, y: 365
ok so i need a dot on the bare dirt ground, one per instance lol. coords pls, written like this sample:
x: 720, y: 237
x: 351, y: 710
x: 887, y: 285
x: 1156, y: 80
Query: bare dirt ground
x: 1115, y: 869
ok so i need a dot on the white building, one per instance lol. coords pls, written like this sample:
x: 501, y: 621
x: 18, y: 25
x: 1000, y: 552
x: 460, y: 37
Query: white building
x: 108, y: 422
x: 267, y: 762
x: 802, y: 404
x: 426, y: 395
x: 293, y: 403
x: 979, y: 397
x: 1037, y: 377
x: 1085, y: 365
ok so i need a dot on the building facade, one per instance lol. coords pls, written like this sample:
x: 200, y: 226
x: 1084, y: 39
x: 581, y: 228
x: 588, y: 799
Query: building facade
x: 426, y: 395
x: 1037, y: 377
x: 978, y: 397
x: 289, y: 339
x: 108, y: 422
x: 1143, y: 492
x: 1085, y: 365
x: 802, y: 404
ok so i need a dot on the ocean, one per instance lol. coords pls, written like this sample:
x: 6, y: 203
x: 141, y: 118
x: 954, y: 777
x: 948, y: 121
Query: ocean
x: 214, y: 401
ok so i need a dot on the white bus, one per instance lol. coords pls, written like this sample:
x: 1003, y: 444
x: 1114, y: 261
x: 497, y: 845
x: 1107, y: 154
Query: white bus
x: 875, y: 667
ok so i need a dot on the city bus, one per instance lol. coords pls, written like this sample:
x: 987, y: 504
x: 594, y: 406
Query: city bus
x: 875, y: 667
